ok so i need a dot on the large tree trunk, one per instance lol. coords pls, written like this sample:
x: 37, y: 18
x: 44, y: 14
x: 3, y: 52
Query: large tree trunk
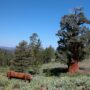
x: 73, y: 67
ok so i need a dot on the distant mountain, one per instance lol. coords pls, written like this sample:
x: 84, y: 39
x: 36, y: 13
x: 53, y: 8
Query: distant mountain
x: 8, y: 48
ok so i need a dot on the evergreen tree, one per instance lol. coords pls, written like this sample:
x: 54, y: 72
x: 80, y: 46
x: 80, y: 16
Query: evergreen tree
x: 5, y: 57
x: 49, y: 54
x: 73, y: 39
x: 35, y: 50
x: 21, y: 61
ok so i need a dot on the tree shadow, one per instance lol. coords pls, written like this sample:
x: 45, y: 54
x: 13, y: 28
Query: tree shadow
x: 55, y: 71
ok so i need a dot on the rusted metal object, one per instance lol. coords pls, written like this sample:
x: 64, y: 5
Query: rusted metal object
x: 19, y: 75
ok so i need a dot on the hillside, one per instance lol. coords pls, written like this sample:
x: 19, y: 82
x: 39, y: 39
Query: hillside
x: 8, y: 48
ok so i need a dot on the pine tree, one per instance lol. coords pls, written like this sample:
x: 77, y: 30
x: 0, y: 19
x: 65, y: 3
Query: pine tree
x: 73, y: 39
x: 49, y: 54
x: 35, y: 50
x: 5, y: 57
x: 21, y: 61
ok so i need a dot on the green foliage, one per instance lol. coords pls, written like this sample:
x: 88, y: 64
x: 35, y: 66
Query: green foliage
x: 28, y: 55
x: 35, y: 50
x: 31, y: 55
x: 20, y: 61
x: 73, y: 37
x: 5, y: 57
x: 49, y: 54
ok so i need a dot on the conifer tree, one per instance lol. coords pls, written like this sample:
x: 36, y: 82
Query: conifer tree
x: 49, y: 54
x: 35, y: 50
x: 21, y: 60
x: 73, y: 39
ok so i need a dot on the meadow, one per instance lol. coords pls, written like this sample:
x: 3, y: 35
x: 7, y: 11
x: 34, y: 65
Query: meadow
x: 62, y: 82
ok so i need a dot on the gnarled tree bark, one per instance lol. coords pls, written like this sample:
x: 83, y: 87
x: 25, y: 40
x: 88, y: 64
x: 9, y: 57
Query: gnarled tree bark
x: 73, y: 66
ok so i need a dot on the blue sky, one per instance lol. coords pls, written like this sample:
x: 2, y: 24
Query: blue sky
x: 20, y: 18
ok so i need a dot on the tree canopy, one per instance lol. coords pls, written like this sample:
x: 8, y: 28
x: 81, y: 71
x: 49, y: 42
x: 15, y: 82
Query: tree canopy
x: 73, y: 37
x: 20, y: 61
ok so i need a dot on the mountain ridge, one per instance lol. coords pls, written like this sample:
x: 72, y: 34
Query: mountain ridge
x: 8, y: 48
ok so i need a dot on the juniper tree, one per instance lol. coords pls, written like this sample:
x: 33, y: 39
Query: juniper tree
x: 73, y: 39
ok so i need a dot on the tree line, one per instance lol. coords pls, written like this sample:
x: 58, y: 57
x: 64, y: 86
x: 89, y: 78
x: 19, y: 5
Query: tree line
x: 28, y: 54
x: 5, y: 57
